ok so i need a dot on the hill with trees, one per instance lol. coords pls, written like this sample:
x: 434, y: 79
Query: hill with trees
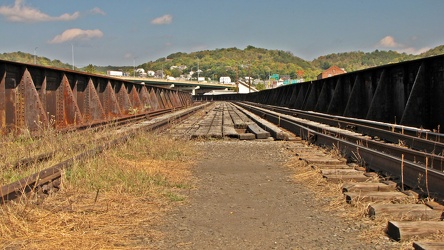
x: 352, y: 61
x: 29, y: 58
x: 434, y: 52
x: 251, y: 61
x: 234, y: 62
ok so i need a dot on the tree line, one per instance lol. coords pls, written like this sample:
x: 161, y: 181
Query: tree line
x: 258, y: 63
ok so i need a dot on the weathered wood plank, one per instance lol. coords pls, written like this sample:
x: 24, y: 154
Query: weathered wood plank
x: 428, y: 245
x: 322, y: 160
x: 368, y: 187
x: 435, y: 205
x: 338, y: 178
x: 258, y: 131
x: 230, y: 131
x: 274, y: 130
x: 404, y: 211
x: 405, y: 230
x: 340, y: 171
x: 375, y: 196
x: 326, y: 166
x: 247, y: 136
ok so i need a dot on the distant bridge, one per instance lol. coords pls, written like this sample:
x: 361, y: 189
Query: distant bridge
x: 193, y: 87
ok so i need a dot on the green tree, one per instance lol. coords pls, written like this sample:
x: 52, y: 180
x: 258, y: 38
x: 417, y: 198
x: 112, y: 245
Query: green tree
x: 260, y: 86
x: 176, y: 73
x: 90, y: 69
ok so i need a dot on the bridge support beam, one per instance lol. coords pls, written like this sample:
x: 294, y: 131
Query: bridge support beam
x: 32, y: 97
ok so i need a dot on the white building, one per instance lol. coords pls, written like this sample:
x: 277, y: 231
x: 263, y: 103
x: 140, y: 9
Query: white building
x: 141, y: 72
x: 244, y: 89
x: 114, y: 73
x: 225, y: 80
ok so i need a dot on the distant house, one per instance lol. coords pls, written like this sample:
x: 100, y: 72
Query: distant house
x: 181, y: 67
x: 141, y: 72
x: 332, y: 71
x: 159, y: 74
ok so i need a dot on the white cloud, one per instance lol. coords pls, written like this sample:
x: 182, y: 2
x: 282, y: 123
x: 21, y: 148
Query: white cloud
x: 391, y: 43
x: 388, y: 42
x: 128, y: 56
x: 21, y: 13
x: 411, y: 50
x: 97, y: 10
x: 76, y: 34
x: 165, y: 19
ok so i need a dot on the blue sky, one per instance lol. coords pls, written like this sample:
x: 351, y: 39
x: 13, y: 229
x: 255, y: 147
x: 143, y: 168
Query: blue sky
x: 112, y: 32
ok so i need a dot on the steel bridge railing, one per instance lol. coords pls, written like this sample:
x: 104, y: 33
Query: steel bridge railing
x: 32, y: 97
x: 409, y: 93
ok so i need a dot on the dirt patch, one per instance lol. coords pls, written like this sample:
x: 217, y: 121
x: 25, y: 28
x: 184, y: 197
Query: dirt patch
x: 246, y: 198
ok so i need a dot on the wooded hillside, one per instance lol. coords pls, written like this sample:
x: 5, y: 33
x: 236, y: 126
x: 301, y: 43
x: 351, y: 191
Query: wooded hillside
x: 29, y: 58
x: 232, y: 62
x: 251, y: 61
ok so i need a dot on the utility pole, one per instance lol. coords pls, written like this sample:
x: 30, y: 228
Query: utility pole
x: 163, y: 63
x: 134, y: 66
x: 249, y: 79
x: 237, y: 79
x: 72, y: 52
x: 35, y: 59
x: 198, y: 72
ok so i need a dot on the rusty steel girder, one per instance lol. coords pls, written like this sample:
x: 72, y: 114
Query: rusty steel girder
x: 36, y: 97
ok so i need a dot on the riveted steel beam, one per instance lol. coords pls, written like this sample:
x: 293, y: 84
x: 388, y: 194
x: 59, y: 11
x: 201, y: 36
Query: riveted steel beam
x: 35, y: 97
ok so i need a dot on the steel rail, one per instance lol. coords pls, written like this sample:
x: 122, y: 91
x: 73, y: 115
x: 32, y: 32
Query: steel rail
x: 196, y: 122
x: 418, y: 139
x: 118, y: 122
x: 28, y: 184
x: 415, y: 174
x: 121, y: 121
x: 436, y: 161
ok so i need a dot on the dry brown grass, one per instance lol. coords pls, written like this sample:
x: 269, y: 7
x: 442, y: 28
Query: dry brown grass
x: 64, y: 145
x: 112, y: 201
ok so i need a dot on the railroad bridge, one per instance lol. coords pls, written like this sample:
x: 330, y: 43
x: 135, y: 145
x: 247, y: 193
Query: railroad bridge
x: 408, y: 93
x: 384, y: 123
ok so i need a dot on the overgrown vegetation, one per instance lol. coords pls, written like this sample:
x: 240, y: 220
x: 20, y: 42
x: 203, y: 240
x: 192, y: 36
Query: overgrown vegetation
x: 58, y: 146
x: 29, y: 58
x: 107, y: 202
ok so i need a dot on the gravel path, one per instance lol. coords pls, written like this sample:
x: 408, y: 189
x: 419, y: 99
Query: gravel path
x: 245, y: 199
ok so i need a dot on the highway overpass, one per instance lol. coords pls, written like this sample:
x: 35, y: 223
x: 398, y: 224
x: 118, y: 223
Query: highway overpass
x: 195, y: 88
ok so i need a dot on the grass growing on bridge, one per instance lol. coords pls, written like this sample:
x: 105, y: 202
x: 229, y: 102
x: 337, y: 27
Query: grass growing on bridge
x: 110, y: 201
x: 59, y: 146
